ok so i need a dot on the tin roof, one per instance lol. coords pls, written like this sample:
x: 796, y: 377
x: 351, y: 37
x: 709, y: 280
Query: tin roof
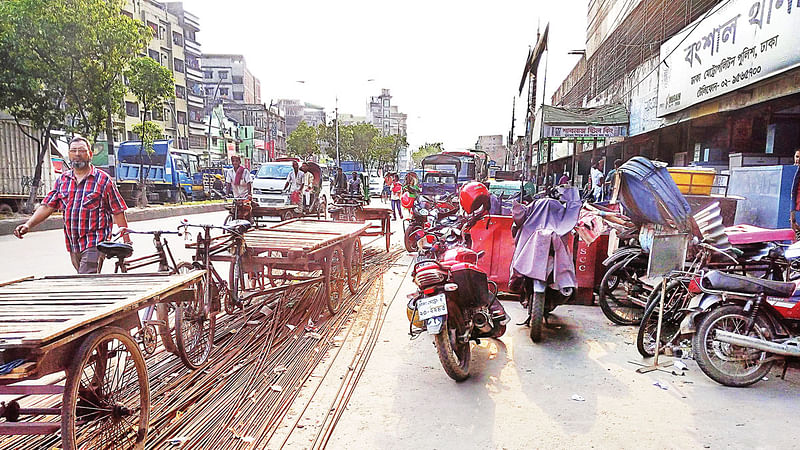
x: 614, y: 114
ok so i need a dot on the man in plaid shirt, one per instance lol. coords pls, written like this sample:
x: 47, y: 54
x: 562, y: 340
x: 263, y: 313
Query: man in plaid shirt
x: 90, y: 201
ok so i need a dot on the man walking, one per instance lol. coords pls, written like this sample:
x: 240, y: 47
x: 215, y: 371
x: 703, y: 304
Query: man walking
x: 90, y: 203
x: 294, y: 183
x: 795, y: 203
x: 597, y: 179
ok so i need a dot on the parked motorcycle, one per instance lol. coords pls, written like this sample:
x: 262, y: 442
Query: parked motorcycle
x: 426, y: 212
x: 455, y: 302
x: 542, y: 266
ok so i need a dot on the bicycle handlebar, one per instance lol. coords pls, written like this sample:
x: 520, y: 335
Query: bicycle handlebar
x: 131, y: 231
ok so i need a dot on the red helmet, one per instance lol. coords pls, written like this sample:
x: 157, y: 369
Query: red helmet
x: 406, y: 200
x: 473, y: 195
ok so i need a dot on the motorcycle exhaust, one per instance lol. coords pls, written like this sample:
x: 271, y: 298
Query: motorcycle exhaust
x: 482, y: 322
x: 788, y: 349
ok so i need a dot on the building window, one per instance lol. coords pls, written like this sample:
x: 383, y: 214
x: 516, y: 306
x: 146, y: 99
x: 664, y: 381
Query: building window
x: 223, y: 91
x: 165, y: 60
x: 193, y: 62
x: 154, y: 54
x: 167, y: 115
x: 237, y: 79
x: 223, y: 74
x: 385, y: 113
x: 181, y: 117
x: 178, y: 65
x: 209, y: 91
x: 162, y: 32
x: 386, y: 103
x: 153, y: 27
x: 180, y: 91
x: 132, y: 109
x: 132, y: 136
x: 238, y: 95
x: 208, y: 74
x: 157, y: 115
x: 177, y: 39
x: 195, y: 115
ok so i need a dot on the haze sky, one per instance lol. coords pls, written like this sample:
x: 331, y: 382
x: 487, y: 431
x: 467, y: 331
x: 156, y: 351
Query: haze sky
x: 453, y: 67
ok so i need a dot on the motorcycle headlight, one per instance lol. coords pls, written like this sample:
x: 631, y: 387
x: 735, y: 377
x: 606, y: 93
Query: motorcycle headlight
x: 422, y: 212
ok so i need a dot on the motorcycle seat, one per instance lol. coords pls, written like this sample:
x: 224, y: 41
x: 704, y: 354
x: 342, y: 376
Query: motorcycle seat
x: 748, y: 285
x: 115, y: 249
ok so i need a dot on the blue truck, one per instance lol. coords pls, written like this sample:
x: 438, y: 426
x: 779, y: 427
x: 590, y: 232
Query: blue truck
x: 172, y: 175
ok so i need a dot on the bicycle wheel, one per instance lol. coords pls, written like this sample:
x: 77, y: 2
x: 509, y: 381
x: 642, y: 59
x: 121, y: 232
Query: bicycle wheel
x: 194, y: 327
x: 677, y: 295
x: 237, y: 284
x: 623, y: 295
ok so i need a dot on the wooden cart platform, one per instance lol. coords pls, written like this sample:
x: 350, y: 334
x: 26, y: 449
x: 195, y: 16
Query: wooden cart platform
x: 274, y: 254
x: 36, y: 311
x: 381, y: 214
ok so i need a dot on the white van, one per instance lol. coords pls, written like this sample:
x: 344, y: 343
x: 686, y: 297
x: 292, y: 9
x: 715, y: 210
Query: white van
x: 269, y: 183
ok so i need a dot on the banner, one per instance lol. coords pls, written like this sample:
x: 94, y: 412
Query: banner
x: 580, y: 131
x: 736, y: 44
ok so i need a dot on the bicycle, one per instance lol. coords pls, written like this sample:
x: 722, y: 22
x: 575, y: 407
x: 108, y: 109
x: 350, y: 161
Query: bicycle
x: 164, y: 323
x: 213, y: 283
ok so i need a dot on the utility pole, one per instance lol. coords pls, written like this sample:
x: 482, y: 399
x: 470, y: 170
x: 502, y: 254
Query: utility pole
x: 338, y: 164
x: 511, y: 133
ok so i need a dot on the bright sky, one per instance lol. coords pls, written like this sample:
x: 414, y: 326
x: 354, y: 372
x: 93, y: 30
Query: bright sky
x: 452, y: 66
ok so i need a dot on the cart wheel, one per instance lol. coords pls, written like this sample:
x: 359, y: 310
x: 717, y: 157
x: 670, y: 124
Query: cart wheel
x: 276, y: 276
x: 106, y: 397
x: 354, y: 266
x: 335, y: 273
x: 194, y: 328
x: 288, y: 215
x: 237, y: 283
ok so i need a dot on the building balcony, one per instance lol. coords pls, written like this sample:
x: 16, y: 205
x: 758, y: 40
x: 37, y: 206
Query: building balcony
x: 192, y: 47
x: 194, y: 74
x: 198, y: 126
x: 194, y: 100
x: 191, y: 19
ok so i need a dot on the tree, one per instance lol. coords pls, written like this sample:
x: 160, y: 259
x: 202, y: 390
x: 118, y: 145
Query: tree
x: 37, y: 69
x: 426, y: 150
x: 110, y: 41
x: 152, y: 84
x: 364, y: 143
x: 303, y: 141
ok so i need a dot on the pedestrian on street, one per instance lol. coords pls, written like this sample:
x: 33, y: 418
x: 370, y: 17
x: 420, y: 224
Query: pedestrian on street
x: 294, y: 184
x: 598, y: 179
x: 91, y: 205
x: 795, y: 203
x: 308, y: 186
x: 396, y: 188
x: 388, y: 179
x: 411, y: 188
x: 609, y: 186
x: 239, y: 179
x: 339, y: 182
x: 564, y: 179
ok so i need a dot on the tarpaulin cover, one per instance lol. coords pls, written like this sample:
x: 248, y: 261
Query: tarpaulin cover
x: 649, y: 195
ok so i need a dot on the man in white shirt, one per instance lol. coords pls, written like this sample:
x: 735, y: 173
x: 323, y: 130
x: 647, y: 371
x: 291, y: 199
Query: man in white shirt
x: 239, y: 179
x: 598, y: 180
x: 308, y: 186
x: 294, y: 184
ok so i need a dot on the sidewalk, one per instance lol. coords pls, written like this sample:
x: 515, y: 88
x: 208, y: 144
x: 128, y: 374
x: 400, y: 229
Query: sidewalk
x: 133, y: 214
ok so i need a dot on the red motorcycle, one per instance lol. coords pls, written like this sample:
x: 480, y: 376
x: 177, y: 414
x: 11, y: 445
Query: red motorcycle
x: 455, y: 301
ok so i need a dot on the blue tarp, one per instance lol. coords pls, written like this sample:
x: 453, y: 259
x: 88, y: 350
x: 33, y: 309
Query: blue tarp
x: 650, y: 195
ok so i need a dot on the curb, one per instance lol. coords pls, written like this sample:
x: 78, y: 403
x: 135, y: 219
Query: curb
x: 133, y: 215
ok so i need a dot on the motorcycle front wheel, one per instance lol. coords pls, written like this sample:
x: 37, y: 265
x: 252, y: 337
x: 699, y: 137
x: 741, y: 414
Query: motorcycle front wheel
x: 536, y: 314
x: 453, y: 354
x: 730, y: 364
x: 409, y: 240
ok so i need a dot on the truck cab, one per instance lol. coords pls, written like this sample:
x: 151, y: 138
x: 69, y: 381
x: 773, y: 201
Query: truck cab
x: 172, y: 175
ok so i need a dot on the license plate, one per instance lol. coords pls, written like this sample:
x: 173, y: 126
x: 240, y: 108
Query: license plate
x: 429, y: 307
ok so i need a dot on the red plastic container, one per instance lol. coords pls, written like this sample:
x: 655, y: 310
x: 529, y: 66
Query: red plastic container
x: 492, y: 235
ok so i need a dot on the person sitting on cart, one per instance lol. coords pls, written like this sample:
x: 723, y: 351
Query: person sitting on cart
x: 91, y: 204
x: 339, y: 182
x: 354, y: 185
x: 294, y: 184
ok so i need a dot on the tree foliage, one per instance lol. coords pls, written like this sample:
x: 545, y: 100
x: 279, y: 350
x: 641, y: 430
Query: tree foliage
x: 303, y: 141
x: 426, y: 150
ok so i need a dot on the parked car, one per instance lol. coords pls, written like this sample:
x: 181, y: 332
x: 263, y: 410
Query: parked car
x: 269, y: 183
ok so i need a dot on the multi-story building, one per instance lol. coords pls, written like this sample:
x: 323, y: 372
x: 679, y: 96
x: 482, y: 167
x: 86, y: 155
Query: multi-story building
x: 296, y: 111
x: 350, y: 119
x: 313, y: 115
x: 385, y: 116
x: 692, y: 95
x: 493, y: 146
x: 174, y: 46
x: 226, y: 77
x: 262, y: 132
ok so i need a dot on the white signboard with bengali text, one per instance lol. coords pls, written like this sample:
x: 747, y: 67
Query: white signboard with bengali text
x: 569, y: 131
x: 738, y: 43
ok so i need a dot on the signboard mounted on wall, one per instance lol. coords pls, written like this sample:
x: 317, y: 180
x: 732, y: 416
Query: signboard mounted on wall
x: 737, y: 43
